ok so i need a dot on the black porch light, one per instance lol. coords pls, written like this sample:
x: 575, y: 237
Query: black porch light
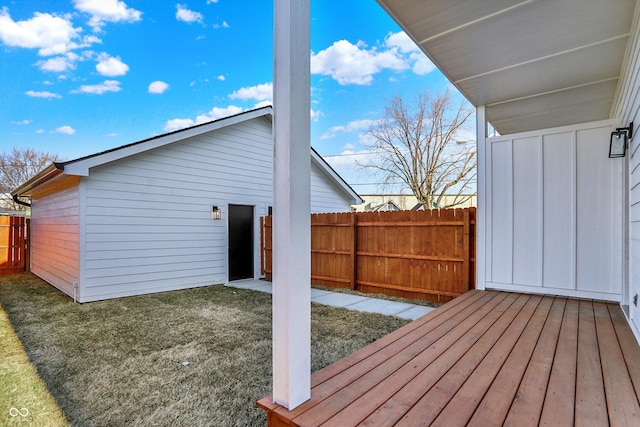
x: 216, y: 213
x: 618, y: 141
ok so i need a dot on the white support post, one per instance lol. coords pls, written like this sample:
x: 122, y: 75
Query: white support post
x: 292, y: 204
x: 481, y: 212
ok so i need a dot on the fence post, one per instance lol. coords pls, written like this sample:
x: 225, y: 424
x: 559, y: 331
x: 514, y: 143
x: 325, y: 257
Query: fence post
x: 262, y: 248
x: 466, y: 247
x: 27, y: 245
x: 354, y: 245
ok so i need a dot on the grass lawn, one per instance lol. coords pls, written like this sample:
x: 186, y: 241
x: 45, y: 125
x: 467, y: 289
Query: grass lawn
x: 186, y: 358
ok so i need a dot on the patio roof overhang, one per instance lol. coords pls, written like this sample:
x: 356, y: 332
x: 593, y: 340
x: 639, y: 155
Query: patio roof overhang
x: 533, y: 64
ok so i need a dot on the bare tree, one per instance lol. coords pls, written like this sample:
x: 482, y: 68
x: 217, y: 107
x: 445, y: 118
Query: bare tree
x: 17, y: 167
x: 419, y: 148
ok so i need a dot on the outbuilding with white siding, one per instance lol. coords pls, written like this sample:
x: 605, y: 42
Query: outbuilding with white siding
x: 139, y: 218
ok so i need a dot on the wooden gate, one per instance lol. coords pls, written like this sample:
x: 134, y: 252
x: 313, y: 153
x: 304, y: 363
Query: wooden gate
x: 13, y: 244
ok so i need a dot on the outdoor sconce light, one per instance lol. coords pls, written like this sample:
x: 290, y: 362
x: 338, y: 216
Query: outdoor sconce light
x: 618, y: 142
x: 216, y: 213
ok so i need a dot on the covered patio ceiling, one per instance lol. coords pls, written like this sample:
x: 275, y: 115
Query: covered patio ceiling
x: 534, y: 64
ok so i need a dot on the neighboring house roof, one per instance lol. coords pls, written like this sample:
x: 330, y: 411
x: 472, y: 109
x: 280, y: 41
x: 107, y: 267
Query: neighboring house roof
x: 388, y: 206
x: 82, y: 165
x: 532, y: 64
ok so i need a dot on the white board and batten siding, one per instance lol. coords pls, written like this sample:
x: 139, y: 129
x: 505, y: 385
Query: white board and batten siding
x: 627, y: 109
x: 555, y: 212
x: 55, y: 236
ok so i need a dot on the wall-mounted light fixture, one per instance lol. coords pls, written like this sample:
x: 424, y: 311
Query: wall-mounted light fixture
x: 618, y: 141
x: 216, y: 213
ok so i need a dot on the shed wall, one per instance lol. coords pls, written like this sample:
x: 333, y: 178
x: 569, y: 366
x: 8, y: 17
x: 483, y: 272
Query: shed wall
x: 148, y: 225
x: 555, y: 217
x: 148, y: 217
x: 55, y: 235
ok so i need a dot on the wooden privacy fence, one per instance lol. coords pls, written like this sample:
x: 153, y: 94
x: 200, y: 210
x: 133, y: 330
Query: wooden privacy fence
x: 14, y: 232
x: 426, y: 255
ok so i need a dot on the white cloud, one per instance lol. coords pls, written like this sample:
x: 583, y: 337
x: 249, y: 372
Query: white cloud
x: 103, y: 11
x: 175, y: 124
x: 223, y: 25
x: 22, y: 122
x: 215, y: 113
x: 186, y: 15
x: 358, y: 125
x: 99, y: 89
x: 354, y: 64
x: 50, y: 34
x: 421, y: 64
x: 401, y: 41
x: 212, y: 1
x: 158, y: 87
x: 111, y: 66
x: 59, y: 64
x: 112, y: 134
x: 263, y: 104
x: 261, y: 92
x: 43, y: 94
x: 40, y: 131
x: 221, y: 78
x: 68, y: 130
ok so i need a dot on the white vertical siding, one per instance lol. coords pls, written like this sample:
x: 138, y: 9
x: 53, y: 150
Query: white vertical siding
x: 555, y: 201
x: 501, y: 215
x: 527, y: 206
x: 627, y: 109
x: 55, y: 236
x: 559, y: 235
x: 148, y: 219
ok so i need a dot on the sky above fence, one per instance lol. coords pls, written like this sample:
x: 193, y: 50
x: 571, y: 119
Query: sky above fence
x: 83, y: 76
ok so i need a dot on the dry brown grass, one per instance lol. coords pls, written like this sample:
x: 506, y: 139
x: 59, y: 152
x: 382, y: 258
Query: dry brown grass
x: 120, y: 362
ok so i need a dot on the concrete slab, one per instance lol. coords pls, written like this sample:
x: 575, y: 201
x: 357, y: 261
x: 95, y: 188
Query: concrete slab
x: 352, y: 302
x: 316, y: 293
x: 336, y: 299
x: 253, y: 284
x: 373, y: 305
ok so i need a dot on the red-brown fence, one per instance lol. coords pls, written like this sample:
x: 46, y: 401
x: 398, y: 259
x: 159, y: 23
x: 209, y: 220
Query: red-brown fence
x: 14, y: 232
x: 426, y: 255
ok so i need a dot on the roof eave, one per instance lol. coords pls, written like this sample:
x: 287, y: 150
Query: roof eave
x: 47, y: 174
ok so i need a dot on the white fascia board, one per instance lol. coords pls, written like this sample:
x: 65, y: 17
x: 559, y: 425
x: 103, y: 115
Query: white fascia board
x: 81, y: 166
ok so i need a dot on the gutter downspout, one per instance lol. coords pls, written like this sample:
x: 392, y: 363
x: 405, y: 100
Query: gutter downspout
x: 20, y: 202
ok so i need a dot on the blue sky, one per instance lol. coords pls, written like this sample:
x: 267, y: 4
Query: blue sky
x: 82, y: 76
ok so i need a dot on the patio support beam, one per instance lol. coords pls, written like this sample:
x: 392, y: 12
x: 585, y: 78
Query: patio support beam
x: 481, y: 213
x: 292, y: 204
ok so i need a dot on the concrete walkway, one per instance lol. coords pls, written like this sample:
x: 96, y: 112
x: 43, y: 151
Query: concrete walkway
x: 351, y: 302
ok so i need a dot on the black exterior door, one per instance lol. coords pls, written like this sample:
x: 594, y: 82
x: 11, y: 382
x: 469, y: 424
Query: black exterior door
x: 240, y: 242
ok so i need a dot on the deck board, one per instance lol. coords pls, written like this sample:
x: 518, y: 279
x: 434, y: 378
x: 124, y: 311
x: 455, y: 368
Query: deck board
x: 591, y: 406
x: 494, y: 407
x: 487, y: 358
x: 559, y: 402
x: 617, y: 383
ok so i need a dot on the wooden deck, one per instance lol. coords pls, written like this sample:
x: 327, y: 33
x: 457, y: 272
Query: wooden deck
x: 486, y: 358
